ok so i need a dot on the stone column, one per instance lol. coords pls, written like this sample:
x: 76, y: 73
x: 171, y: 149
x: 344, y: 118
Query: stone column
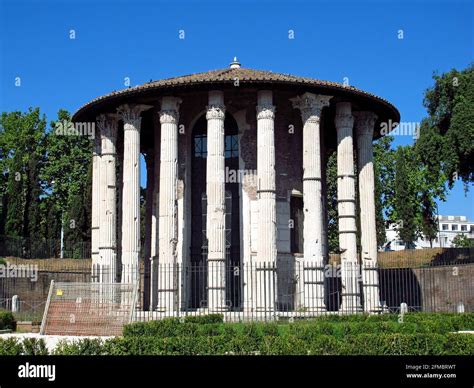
x: 168, y: 205
x: 347, y: 209
x: 215, y: 189
x: 267, y: 225
x: 311, y: 106
x: 155, y: 215
x: 364, y: 125
x: 150, y: 174
x: 130, y: 115
x: 95, y: 208
x: 108, y: 214
x: 119, y: 204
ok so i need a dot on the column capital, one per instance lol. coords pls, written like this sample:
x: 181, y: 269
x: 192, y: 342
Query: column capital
x: 169, y: 116
x: 96, y: 148
x: 310, y: 105
x: 344, y: 117
x: 265, y: 111
x: 107, y: 124
x: 364, y: 122
x: 215, y: 111
x: 169, y: 112
x: 130, y: 114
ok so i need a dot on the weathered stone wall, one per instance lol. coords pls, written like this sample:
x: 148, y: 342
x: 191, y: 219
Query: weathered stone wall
x: 32, y: 293
x: 435, y: 289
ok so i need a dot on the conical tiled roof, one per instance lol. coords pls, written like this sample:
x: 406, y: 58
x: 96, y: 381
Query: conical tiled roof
x: 228, y: 76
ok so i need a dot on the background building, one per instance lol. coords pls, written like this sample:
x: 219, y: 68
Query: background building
x: 449, y: 227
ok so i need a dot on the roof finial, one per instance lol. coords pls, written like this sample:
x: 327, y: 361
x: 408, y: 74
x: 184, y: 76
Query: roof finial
x: 235, y: 64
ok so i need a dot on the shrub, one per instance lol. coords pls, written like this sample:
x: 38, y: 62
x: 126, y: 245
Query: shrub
x: 34, y: 347
x: 207, y: 330
x: 10, y: 347
x: 117, y: 346
x: 459, y: 344
x: 7, y: 321
x: 397, y: 344
x: 163, y: 328
x: 288, y: 344
x: 202, y: 319
x: 325, y: 345
x: 171, y: 327
x: 29, y: 347
x: 418, y: 334
x: 83, y: 347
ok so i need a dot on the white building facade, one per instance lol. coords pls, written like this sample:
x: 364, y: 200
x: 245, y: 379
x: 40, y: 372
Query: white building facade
x: 448, y: 228
x: 236, y: 210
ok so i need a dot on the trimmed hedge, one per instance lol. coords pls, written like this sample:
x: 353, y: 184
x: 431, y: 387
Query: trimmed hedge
x: 362, y: 344
x: 7, y: 321
x: 367, y: 344
x: 27, y: 347
x: 170, y: 327
x: 418, y: 334
x: 335, y: 325
x: 84, y: 347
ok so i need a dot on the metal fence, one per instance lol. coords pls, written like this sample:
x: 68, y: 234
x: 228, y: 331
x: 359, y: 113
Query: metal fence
x: 88, y: 308
x: 263, y: 291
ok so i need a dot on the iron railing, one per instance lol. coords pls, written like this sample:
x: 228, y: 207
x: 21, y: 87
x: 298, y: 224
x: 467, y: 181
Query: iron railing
x: 264, y: 291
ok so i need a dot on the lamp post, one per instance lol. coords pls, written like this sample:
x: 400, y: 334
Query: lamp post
x: 439, y: 229
x: 61, y: 254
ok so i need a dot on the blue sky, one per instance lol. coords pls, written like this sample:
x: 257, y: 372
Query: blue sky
x: 140, y: 40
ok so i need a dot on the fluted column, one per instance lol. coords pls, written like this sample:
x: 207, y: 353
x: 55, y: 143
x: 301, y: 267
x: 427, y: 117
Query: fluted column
x: 150, y: 175
x: 108, y: 214
x: 155, y: 217
x: 215, y: 189
x: 364, y: 125
x: 168, y: 204
x: 267, y: 225
x: 311, y: 106
x: 95, y: 208
x: 347, y: 209
x: 130, y: 114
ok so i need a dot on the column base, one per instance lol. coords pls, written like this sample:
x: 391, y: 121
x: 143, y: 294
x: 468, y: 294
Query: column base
x: 265, y: 309
x: 166, y: 301
x: 376, y: 310
x: 215, y: 309
x: 312, y: 309
x: 344, y: 309
x: 212, y: 310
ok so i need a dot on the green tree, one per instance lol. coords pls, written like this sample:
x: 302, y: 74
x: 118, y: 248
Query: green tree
x: 52, y: 226
x: 32, y: 213
x: 22, y: 150
x: 384, y: 172
x: 331, y: 178
x: 67, y: 177
x: 461, y: 241
x: 406, y: 205
x: 45, y: 178
x: 446, y: 142
x: 15, y: 203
